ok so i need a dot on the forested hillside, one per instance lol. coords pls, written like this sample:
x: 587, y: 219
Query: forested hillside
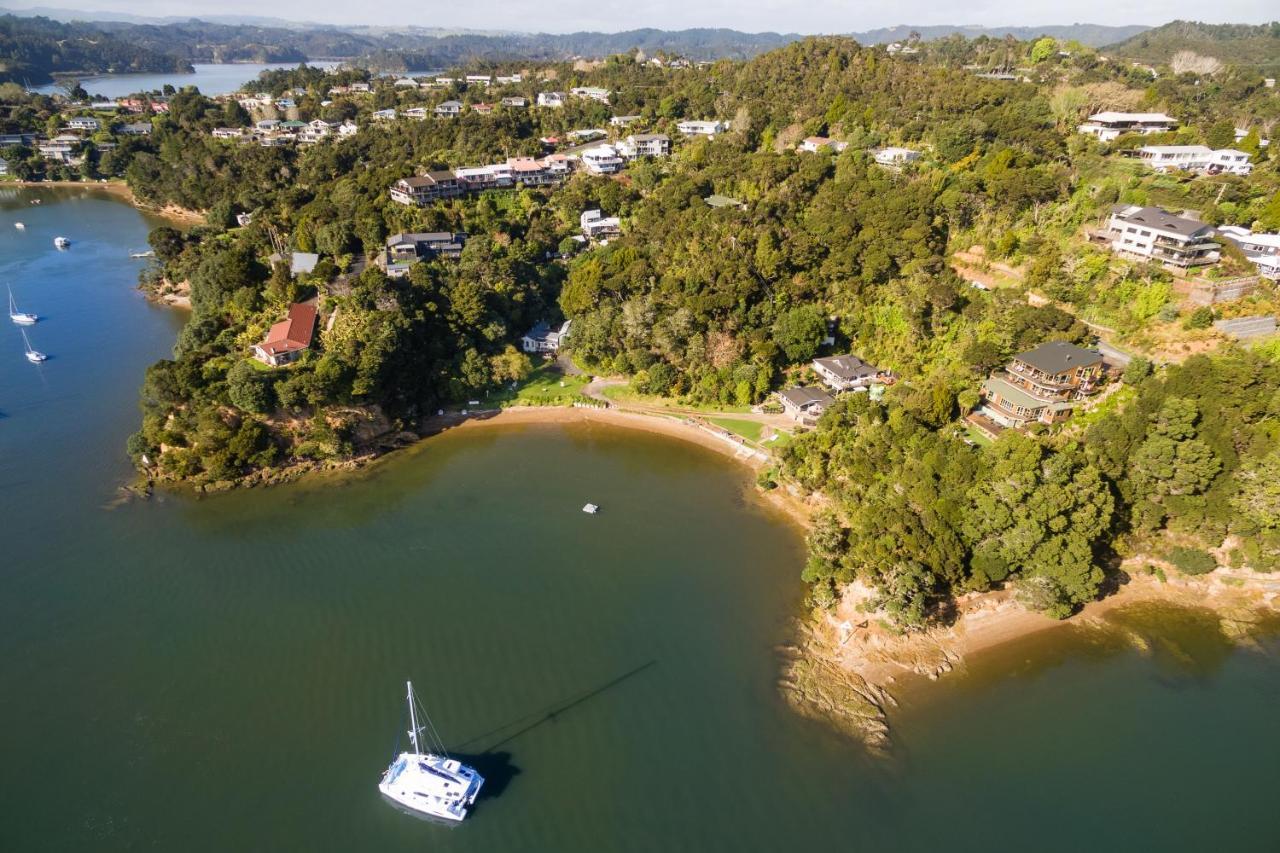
x: 1179, y: 43
x: 33, y: 49
x: 720, y: 306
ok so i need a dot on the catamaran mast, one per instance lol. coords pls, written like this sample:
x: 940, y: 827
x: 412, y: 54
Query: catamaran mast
x: 413, y: 720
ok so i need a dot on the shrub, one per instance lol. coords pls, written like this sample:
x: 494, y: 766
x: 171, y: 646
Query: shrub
x: 1192, y: 561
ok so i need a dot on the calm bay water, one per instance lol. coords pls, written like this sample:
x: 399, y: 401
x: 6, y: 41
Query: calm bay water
x: 226, y: 673
x: 209, y: 78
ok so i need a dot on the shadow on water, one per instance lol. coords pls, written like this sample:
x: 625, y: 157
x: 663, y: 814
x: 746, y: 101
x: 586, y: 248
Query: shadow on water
x: 553, y: 712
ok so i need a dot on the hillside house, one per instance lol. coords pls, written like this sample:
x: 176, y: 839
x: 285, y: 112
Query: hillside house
x: 623, y: 121
x: 1195, y: 158
x: 406, y: 249
x: 135, y: 128
x: 421, y: 190
x: 91, y: 125
x: 1107, y: 126
x: 515, y: 102
x: 895, y: 157
x: 542, y: 338
x: 287, y: 340
x: 848, y: 373
x: 1155, y: 234
x: 1262, y: 250
x: 702, y: 128
x: 640, y: 145
x: 594, y: 93
x: 448, y: 109
x: 596, y: 226
x: 601, y: 160
x: 1043, y: 384
x: 814, y: 144
x: 804, y: 405
x: 551, y: 99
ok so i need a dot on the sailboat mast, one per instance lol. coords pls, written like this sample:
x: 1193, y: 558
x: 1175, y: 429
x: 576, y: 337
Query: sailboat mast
x: 413, y: 720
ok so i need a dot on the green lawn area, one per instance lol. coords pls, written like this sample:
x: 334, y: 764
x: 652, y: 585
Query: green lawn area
x: 626, y: 395
x: 749, y: 430
x: 976, y: 436
x: 542, y: 388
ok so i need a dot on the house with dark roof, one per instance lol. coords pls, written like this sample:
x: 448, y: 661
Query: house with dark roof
x: 848, y: 373
x: 420, y: 190
x: 804, y: 405
x: 1155, y: 234
x: 1043, y: 384
x: 287, y: 340
x: 406, y: 249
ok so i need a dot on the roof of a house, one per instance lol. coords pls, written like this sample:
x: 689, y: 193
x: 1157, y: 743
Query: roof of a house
x: 294, y: 332
x: 803, y: 397
x: 543, y: 331
x: 1110, y: 115
x: 717, y: 200
x: 1057, y: 357
x: 1157, y: 217
x: 1013, y: 394
x: 303, y: 262
x: 846, y: 366
x: 421, y: 237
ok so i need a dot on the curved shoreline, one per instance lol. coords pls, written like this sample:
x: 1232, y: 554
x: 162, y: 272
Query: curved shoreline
x: 122, y: 192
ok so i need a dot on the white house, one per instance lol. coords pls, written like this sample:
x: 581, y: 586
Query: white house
x: 1154, y: 234
x: 644, y: 145
x: 227, y: 133
x: 348, y: 128
x: 847, y: 372
x: 1195, y: 158
x: 406, y: 83
x: 418, y: 113
x: 623, y: 121
x: 84, y: 123
x: 602, y: 160
x: 1262, y: 250
x: 137, y: 128
x: 1106, y: 126
x: 509, y: 80
x: 702, y: 128
x: 542, y: 338
x: 597, y: 226
x: 514, y: 101
x: 551, y: 99
x: 892, y: 156
x: 479, y: 80
x: 595, y: 93
x: 384, y: 115
x: 449, y: 109
x: 814, y: 144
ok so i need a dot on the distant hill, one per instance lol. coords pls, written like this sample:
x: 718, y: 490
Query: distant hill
x: 32, y: 50
x: 1093, y: 35
x: 1230, y: 44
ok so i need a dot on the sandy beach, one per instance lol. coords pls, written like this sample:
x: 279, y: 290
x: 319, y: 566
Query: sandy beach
x: 121, y: 190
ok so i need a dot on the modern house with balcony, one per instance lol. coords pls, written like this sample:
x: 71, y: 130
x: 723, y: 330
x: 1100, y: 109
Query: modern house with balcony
x: 702, y: 128
x: 405, y: 250
x: 804, y: 405
x: 424, y: 189
x: 1155, y: 234
x: 848, y: 373
x: 602, y: 160
x: 644, y: 145
x: 1107, y: 126
x: 1195, y: 158
x: 596, y: 226
x: 1042, y: 385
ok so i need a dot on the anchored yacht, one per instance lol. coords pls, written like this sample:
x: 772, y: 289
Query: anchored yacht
x: 61, y: 242
x: 429, y: 782
x: 22, y: 318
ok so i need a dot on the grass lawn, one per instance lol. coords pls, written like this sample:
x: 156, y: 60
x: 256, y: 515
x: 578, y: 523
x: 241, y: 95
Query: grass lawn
x: 749, y: 430
x: 976, y: 436
x: 626, y: 395
x: 542, y: 388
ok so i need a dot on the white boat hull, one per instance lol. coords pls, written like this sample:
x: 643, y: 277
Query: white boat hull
x: 24, y: 319
x: 431, y: 785
x: 36, y: 357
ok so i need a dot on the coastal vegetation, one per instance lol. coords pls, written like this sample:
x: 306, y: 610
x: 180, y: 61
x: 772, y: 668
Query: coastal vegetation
x: 717, y: 307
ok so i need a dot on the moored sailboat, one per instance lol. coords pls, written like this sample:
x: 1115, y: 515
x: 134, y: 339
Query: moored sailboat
x: 429, y: 782
x: 33, y: 355
x: 22, y: 318
x: 61, y: 242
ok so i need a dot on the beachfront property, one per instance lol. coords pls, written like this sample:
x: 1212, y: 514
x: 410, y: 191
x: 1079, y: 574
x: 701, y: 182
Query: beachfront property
x: 406, y: 249
x: 596, y: 226
x: 848, y: 373
x: 551, y: 99
x: 814, y: 144
x: 702, y: 128
x: 1107, y: 126
x: 601, y: 160
x: 543, y: 338
x: 640, y: 145
x: 421, y: 190
x: 59, y: 149
x: 594, y: 93
x: 287, y: 340
x: 803, y: 405
x: 1262, y: 250
x: 1155, y: 234
x: 895, y: 157
x: 1195, y: 158
x: 1042, y: 385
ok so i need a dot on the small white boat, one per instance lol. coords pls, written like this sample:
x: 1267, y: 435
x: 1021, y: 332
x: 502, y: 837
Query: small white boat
x: 61, y: 242
x: 22, y: 318
x: 21, y: 226
x: 147, y: 254
x: 33, y: 356
x: 429, y: 782
x: 591, y: 509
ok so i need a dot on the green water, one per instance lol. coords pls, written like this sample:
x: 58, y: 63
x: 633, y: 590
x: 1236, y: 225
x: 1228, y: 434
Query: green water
x: 226, y: 674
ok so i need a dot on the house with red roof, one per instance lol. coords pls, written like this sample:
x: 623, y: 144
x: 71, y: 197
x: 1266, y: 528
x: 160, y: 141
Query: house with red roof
x: 289, y: 338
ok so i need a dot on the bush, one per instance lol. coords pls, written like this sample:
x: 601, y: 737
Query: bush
x: 1201, y: 318
x: 1137, y: 370
x: 1192, y: 561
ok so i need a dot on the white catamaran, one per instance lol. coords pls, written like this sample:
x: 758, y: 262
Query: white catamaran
x: 22, y: 318
x: 33, y: 356
x: 430, y: 782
